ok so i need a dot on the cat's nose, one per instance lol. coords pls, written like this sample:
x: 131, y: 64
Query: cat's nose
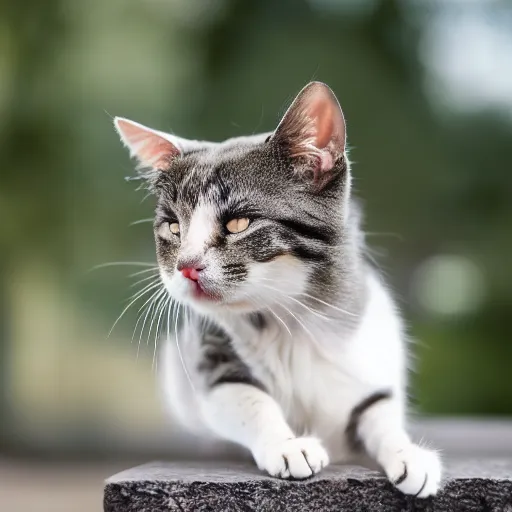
x: 190, y: 270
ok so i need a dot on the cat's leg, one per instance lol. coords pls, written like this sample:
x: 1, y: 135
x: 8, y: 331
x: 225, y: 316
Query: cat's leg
x: 377, y: 424
x: 245, y: 414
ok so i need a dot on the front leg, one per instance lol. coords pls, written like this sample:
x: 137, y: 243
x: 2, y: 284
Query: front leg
x: 246, y: 415
x: 377, y: 424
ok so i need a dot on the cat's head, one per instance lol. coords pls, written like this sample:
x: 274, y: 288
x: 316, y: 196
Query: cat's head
x: 252, y: 221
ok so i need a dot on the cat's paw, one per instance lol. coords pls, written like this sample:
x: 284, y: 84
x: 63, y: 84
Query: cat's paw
x: 415, y: 470
x: 299, y: 458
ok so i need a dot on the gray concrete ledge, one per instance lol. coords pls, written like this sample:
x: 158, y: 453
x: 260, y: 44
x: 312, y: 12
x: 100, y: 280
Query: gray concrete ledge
x: 469, y: 485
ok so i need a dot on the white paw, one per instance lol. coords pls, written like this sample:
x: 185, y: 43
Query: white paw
x: 301, y: 457
x: 415, y: 470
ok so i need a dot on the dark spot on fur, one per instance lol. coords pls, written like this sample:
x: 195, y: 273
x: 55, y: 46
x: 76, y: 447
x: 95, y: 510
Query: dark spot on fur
x: 318, y: 232
x: 402, y: 477
x: 218, y: 241
x: 423, y: 486
x: 237, y: 378
x: 258, y: 321
x: 235, y: 272
x: 220, y: 364
x: 357, y: 413
x: 308, y: 254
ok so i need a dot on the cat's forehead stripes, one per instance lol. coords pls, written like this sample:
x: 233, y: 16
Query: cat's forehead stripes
x: 205, y: 180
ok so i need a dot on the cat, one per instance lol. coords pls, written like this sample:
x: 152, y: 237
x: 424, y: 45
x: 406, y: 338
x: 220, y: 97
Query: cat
x: 292, y: 346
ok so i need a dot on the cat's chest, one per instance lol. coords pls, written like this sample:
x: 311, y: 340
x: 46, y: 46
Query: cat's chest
x: 309, y: 376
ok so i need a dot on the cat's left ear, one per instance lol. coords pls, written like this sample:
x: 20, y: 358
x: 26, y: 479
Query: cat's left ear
x: 152, y: 148
x: 313, y: 132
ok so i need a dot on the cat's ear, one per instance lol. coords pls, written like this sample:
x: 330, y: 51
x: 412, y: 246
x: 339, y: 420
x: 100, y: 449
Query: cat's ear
x: 313, y: 131
x: 152, y: 148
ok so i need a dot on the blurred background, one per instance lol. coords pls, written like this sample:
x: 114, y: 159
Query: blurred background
x: 426, y: 87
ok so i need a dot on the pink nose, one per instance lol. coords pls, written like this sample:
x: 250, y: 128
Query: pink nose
x: 191, y: 273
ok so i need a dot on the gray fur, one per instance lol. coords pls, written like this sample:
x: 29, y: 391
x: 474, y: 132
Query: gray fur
x: 218, y: 362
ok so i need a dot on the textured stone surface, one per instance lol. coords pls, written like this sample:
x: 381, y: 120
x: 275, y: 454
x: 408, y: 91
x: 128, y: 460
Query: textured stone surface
x: 470, y: 485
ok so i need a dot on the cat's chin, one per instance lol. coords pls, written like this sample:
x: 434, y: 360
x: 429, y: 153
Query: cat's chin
x: 206, y: 304
x: 205, y: 298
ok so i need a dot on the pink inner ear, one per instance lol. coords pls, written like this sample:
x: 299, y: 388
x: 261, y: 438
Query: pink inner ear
x: 328, y: 122
x: 151, y: 149
x: 322, y: 115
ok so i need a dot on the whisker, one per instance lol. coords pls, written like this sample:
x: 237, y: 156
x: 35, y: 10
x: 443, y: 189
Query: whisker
x: 158, y: 307
x: 299, y: 322
x: 122, y: 263
x: 252, y: 301
x: 137, y: 297
x: 280, y: 319
x: 329, y: 305
x: 311, y: 297
x: 139, y: 318
x: 141, y: 221
x: 157, y: 332
x: 140, y: 315
x: 150, y: 307
x: 179, y: 349
x: 316, y: 313
x: 154, y: 278
x: 149, y: 286
x: 153, y: 269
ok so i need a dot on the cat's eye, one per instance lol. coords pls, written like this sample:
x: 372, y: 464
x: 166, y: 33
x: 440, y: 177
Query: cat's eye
x: 168, y: 230
x: 174, y: 228
x: 237, y: 225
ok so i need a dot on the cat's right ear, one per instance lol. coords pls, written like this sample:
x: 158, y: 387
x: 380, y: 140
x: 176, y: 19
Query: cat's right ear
x: 153, y: 149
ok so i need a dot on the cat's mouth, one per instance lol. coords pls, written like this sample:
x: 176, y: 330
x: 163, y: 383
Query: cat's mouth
x: 200, y: 291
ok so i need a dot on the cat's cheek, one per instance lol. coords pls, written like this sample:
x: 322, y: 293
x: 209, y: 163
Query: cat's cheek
x: 166, y: 252
x: 273, y: 281
x: 177, y: 287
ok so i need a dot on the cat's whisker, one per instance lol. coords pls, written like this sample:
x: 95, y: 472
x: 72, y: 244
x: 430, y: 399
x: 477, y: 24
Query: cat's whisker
x: 157, y: 309
x: 135, y: 299
x: 179, y: 349
x: 122, y: 263
x: 153, y: 269
x: 145, y: 288
x: 154, y: 278
x: 150, y: 307
x: 140, y: 221
x: 249, y: 298
x: 315, y: 298
x: 280, y: 319
x: 156, y: 292
x: 299, y: 322
x: 313, y: 311
x: 329, y: 305
x: 157, y: 333
x: 140, y: 315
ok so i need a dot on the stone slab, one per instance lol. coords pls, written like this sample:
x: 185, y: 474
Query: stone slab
x: 470, y: 485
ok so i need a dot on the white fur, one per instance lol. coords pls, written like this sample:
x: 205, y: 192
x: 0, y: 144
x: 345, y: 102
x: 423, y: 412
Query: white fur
x: 314, y: 379
x: 202, y: 226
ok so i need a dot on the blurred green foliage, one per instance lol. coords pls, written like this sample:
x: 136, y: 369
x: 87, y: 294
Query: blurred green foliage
x: 434, y: 180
